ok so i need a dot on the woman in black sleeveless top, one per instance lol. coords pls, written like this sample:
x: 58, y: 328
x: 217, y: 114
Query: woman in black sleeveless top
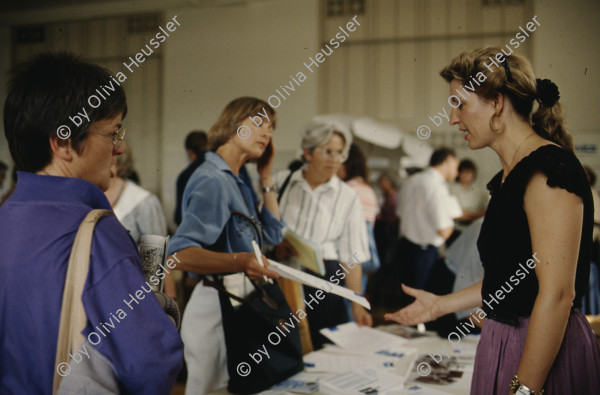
x: 535, y: 242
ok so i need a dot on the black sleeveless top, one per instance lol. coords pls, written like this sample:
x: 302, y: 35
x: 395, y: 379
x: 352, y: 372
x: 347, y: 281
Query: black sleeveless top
x: 505, y: 241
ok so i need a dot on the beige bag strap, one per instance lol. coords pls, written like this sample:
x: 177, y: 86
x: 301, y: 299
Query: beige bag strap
x: 72, y: 314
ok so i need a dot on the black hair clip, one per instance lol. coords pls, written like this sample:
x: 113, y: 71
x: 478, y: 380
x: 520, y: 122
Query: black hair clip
x: 507, y: 70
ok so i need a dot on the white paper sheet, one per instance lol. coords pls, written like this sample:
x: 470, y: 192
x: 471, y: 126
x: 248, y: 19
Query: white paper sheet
x: 331, y: 361
x: 368, y: 340
x: 360, y: 381
x: 316, y: 282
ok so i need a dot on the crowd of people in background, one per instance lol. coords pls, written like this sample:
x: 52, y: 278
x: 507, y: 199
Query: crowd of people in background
x: 416, y: 239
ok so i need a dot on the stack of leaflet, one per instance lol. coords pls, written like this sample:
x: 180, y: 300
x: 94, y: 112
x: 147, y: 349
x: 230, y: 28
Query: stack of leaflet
x: 363, y: 360
x: 363, y: 340
x: 361, y: 381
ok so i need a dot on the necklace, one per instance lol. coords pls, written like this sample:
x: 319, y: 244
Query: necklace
x: 515, y: 156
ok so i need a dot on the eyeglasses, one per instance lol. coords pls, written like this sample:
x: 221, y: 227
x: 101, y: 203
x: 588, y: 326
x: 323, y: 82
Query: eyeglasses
x: 331, y: 154
x: 117, y: 137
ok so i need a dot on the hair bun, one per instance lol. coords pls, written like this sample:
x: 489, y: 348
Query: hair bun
x: 547, y: 92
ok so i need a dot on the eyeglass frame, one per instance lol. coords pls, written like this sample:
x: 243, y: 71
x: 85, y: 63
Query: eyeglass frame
x: 116, y: 139
x: 341, y: 156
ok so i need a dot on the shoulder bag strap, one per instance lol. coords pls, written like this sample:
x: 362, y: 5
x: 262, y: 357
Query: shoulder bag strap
x: 218, y: 284
x: 284, y: 185
x: 72, y: 314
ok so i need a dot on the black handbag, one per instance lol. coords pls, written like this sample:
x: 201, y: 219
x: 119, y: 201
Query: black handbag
x: 258, y: 324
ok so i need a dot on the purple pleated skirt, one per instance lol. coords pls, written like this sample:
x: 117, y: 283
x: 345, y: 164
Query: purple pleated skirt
x: 576, y: 369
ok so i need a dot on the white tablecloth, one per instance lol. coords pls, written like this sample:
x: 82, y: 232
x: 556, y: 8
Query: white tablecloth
x: 431, y: 344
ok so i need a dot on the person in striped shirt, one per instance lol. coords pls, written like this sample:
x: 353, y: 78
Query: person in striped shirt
x: 319, y: 207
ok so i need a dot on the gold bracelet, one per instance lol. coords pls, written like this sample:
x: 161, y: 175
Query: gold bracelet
x: 515, y: 386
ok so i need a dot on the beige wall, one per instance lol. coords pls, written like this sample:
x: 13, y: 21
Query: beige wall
x: 217, y: 54
x: 221, y: 52
x: 225, y: 52
x: 566, y: 50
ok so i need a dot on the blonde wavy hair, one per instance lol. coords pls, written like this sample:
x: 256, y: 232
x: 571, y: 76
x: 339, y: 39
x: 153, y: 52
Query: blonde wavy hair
x: 519, y: 86
x: 232, y: 117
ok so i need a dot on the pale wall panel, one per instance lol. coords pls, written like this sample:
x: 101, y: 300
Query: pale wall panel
x: 97, y: 46
x: 386, y: 19
x: 75, y: 37
x: 437, y: 17
x: 386, y: 105
x: 332, y: 83
x: 491, y: 18
x: 458, y: 17
x: 407, y: 83
x: 357, y: 81
x: 406, y: 18
x: 514, y: 13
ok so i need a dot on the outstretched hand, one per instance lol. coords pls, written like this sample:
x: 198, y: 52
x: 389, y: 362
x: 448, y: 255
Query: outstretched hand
x: 425, y: 308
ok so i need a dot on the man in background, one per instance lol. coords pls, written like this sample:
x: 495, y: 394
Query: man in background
x: 196, y: 144
x: 427, y: 211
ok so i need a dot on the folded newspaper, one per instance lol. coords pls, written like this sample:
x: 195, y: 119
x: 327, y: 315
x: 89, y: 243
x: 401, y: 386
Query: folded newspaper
x: 153, y: 251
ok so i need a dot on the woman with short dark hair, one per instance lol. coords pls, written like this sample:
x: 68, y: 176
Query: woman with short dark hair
x: 61, y: 179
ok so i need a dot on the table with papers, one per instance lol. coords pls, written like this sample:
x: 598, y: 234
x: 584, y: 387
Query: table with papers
x: 391, y: 359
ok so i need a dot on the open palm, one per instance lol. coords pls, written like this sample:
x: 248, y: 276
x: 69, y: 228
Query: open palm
x: 423, y: 309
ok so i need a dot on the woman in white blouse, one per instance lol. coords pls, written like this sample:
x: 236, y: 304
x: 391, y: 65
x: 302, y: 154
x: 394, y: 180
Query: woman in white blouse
x: 318, y: 206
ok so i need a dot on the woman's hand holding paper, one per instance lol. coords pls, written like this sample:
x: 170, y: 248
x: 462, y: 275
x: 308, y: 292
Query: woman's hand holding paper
x: 247, y: 263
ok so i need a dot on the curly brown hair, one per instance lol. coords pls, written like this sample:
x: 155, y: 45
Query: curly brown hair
x: 520, y: 87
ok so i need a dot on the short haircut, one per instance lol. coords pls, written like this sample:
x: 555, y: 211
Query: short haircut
x: 356, y: 164
x: 42, y: 96
x: 196, y: 141
x: 318, y: 133
x: 440, y: 154
x: 467, y: 164
x: 232, y: 117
